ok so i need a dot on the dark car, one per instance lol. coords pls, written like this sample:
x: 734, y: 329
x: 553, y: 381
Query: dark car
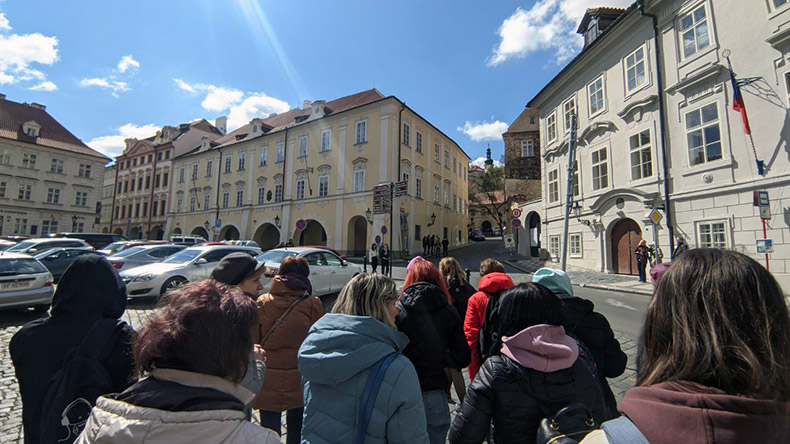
x: 477, y: 236
x: 57, y: 260
x: 97, y: 240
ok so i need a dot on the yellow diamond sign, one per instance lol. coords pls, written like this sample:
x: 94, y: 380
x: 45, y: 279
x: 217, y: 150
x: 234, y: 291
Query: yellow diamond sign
x: 655, y: 216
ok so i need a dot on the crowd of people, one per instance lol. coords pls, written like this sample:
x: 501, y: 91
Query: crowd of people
x: 434, y: 246
x: 220, y: 362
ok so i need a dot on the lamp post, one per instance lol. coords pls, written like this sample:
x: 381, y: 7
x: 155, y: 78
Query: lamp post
x: 277, y: 221
x: 369, y: 216
x: 433, y: 220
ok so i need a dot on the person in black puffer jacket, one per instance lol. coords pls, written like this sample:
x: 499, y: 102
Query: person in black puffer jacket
x: 590, y: 327
x: 540, y: 370
x: 436, y: 340
x: 459, y: 288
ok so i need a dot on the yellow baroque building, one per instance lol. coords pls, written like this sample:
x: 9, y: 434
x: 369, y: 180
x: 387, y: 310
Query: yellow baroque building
x: 307, y: 176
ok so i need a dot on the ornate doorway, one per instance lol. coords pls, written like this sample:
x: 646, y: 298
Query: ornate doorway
x: 626, y: 235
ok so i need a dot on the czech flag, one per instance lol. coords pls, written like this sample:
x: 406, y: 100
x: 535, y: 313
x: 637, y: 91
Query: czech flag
x: 737, y: 103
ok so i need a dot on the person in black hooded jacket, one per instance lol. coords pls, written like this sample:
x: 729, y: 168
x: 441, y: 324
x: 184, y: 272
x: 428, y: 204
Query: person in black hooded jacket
x: 436, y: 340
x: 89, y: 291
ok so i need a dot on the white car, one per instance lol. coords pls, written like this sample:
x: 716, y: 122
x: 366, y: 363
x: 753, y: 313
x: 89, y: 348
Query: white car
x: 188, y: 265
x: 24, y: 282
x: 328, y: 272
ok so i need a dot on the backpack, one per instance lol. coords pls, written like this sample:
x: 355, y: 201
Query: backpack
x: 72, y: 392
x: 490, y: 340
x: 370, y: 394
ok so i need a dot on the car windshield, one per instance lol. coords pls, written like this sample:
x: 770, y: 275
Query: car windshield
x: 12, y: 267
x: 44, y: 254
x: 276, y: 256
x: 22, y: 246
x: 127, y: 252
x: 114, y: 247
x: 182, y: 257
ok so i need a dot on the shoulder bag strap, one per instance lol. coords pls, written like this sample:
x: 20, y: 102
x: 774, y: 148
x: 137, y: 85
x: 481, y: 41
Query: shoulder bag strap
x: 279, y: 320
x: 370, y: 394
x: 623, y: 431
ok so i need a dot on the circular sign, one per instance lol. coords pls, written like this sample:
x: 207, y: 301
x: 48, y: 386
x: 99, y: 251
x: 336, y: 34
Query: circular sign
x: 516, y: 213
x: 516, y: 223
x: 383, y: 230
x: 378, y: 239
x: 301, y: 224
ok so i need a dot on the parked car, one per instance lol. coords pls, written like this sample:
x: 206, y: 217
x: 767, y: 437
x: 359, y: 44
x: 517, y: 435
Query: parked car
x: 24, y: 282
x: 246, y: 243
x: 57, y: 260
x: 116, y: 247
x: 186, y: 240
x: 477, y: 235
x: 323, y: 247
x: 96, y: 240
x: 15, y: 238
x: 328, y: 272
x: 35, y: 246
x: 189, y: 264
x: 142, y: 255
x: 6, y: 244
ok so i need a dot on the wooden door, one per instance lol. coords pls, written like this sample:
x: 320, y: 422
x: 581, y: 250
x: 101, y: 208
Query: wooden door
x: 626, y: 235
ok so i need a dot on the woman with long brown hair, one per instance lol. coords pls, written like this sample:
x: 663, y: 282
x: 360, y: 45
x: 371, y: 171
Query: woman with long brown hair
x: 714, y: 361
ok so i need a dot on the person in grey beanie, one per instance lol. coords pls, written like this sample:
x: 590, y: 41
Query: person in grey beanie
x: 241, y: 270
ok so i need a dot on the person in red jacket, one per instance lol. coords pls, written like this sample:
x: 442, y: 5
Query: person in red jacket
x: 493, y: 280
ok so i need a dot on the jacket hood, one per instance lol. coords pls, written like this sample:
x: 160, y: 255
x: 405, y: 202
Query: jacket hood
x: 555, y: 280
x: 90, y: 287
x: 280, y: 295
x: 340, y: 346
x: 493, y: 282
x: 545, y: 348
x: 668, y: 410
x: 423, y: 297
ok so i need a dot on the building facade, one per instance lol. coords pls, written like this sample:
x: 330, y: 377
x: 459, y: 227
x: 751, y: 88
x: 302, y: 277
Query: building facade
x: 307, y: 175
x: 107, y: 195
x: 522, y: 157
x: 50, y: 181
x: 657, y: 136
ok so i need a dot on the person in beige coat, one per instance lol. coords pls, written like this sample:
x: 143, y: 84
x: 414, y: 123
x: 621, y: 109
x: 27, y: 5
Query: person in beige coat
x: 193, y: 365
x: 286, y: 313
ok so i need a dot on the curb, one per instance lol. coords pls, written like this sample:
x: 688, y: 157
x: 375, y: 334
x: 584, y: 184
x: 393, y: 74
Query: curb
x: 613, y: 288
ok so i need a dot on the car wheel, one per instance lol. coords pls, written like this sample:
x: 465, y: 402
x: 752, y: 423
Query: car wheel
x: 172, y: 284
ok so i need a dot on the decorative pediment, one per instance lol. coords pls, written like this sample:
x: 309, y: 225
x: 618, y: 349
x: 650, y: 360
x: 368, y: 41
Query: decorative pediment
x: 648, y: 199
x: 556, y: 150
x: 261, y: 181
x: 239, y: 184
x: 360, y: 163
x: 635, y: 109
x: 586, y: 135
x: 324, y: 170
x: 225, y: 186
x: 695, y: 78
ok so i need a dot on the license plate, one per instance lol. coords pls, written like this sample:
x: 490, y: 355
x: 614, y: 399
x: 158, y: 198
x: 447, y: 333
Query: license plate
x: 14, y: 284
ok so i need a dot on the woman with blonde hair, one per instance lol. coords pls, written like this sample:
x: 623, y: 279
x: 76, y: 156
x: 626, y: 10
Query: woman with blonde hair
x: 343, y: 353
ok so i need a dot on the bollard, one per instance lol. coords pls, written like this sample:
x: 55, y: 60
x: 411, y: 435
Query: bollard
x: 468, y: 274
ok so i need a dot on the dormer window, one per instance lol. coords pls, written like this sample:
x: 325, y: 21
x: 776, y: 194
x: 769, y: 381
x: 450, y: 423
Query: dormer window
x: 255, y: 128
x: 31, y: 128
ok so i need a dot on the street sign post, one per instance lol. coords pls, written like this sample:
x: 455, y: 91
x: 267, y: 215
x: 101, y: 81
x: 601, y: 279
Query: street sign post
x: 382, y: 199
x: 510, y: 244
x: 516, y: 223
x: 516, y: 213
x: 401, y: 188
x: 761, y: 200
x: 301, y: 224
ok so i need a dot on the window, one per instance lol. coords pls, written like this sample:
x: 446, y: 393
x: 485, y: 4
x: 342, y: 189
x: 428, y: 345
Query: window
x: 2, y: 189
x: 242, y: 160
x: 228, y: 162
x: 418, y: 182
x: 447, y: 159
x: 28, y: 160
x: 140, y: 183
x: 206, y: 201
x: 554, y: 185
x: 264, y: 155
x: 25, y: 191
x: 49, y: 226
x: 446, y: 195
x: 326, y: 140
x: 554, y: 246
x: 362, y: 131
x: 147, y: 182
x: 192, y: 202
x: 20, y: 226
x: 261, y: 195
x: 596, y: 96
x: 302, y: 146
x: 436, y: 194
x: 300, y: 189
x: 323, y: 186
x: 641, y: 155
x: 436, y: 156
x: 164, y: 181
x: 225, y: 199
x: 209, y: 167
x: 635, y: 72
x: 405, y: 178
x: 455, y: 202
x: 56, y: 166
x: 575, y: 185
x: 712, y: 234
x: 162, y: 207
x: 53, y: 195
x: 575, y: 244
x: 694, y: 31
x: 167, y: 154
x: 406, y: 134
x: 81, y: 199
x: 278, y: 192
x: 359, y: 181
x: 551, y: 127
x: 134, y: 163
x: 455, y: 165
x: 181, y: 172
x: 5, y: 157
x: 194, y: 172
x: 702, y: 134
x: 239, y: 197
x: 568, y: 109
x: 600, y: 169
x: 280, y: 152
x: 179, y: 204
x: 779, y: 3
x: 527, y: 148
x: 85, y: 170
x: 419, y: 142
x: 159, y: 156
x: 532, y: 120
x: 418, y: 233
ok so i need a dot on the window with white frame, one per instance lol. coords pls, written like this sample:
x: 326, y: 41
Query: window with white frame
x: 406, y: 134
x: 455, y: 165
x: 228, y: 163
x: 53, y: 195
x: 181, y: 173
x: 326, y: 140
x: 192, y: 201
x: 359, y: 181
x: 436, y: 155
x: 575, y: 186
x: 694, y: 31
x: 278, y: 189
x: 261, y: 194
x: 779, y: 3
x: 25, y: 191
x: 79, y: 226
x: 635, y: 69
x: 240, y: 197
x: 362, y: 131
x: 264, y: 154
x: 446, y: 194
x: 575, y: 244
x: 280, y: 152
x: 554, y: 246
x: 568, y: 109
x: 49, y: 226
x: 641, y: 155
x: 242, y: 160
x: 596, y: 96
x: 209, y: 167
x: 56, y: 166
x: 712, y: 234
x: 300, y: 189
x: 418, y: 187
x: 554, y: 185
x: 81, y: 199
x: 418, y: 148
x: 206, y: 201
x: 528, y: 148
x: 85, y: 170
x: 3, y: 186
x: 225, y: 199
x: 551, y: 127
x: 302, y: 146
x: 703, y: 135
x: 600, y: 169
x: 5, y: 157
x: 29, y: 160
x: 447, y: 159
x: 179, y: 204
x: 323, y: 185
x: 20, y: 225
x: 436, y: 194
x: 194, y: 171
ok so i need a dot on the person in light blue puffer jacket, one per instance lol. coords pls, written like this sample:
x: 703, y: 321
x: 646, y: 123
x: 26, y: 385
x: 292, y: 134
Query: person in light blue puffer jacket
x: 335, y: 361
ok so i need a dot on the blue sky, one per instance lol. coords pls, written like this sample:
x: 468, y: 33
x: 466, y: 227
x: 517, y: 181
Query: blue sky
x: 109, y: 70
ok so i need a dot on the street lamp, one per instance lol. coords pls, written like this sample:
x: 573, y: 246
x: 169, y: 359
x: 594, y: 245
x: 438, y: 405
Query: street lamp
x: 369, y: 216
x: 577, y: 210
x: 433, y: 219
x: 277, y: 221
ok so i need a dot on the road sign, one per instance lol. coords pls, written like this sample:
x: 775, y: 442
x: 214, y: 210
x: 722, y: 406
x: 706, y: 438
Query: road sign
x: 655, y: 216
x: 218, y: 223
x: 301, y: 224
x: 761, y: 199
x: 382, y: 199
x: 516, y: 223
x: 765, y: 246
x: 509, y: 242
x: 765, y: 212
x: 516, y: 213
x: 401, y: 188
x: 378, y: 239
x: 383, y: 229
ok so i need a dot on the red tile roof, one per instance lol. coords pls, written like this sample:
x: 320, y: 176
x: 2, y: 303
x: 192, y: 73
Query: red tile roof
x: 52, y: 133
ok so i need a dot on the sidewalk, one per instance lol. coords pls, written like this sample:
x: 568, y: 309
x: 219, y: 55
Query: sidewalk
x: 403, y: 262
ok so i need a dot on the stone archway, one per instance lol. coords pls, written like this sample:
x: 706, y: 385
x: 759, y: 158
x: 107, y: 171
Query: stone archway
x: 200, y: 231
x: 267, y: 236
x: 177, y: 231
x: 625, y: 236
x: 313, y: 234
x: 157, y: 233
x: 118, y: 231
x: 357, y: 236
x: 229, y: 232
x: 533, y: 230
x: 134, y: 233
x: 105, y: 230
x: 486, y: 227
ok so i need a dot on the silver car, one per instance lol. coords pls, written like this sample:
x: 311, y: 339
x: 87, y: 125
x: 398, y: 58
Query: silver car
x: 188, y: 265
x: 328, y: 272
x: 142, y: 255
x: 35, y: 246
x: 24, y: 282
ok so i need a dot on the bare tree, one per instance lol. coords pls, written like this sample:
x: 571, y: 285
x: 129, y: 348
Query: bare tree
x: 488, y: 194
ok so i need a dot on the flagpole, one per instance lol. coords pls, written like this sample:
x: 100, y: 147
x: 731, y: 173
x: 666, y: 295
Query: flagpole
x: 760, y: 165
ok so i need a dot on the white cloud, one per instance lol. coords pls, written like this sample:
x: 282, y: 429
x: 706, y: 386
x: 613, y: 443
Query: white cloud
x: 550, y: 25
x: 479, y: 131
x: 219, y: 99
x: 19, y: 52
x: 256, y: 105
x: 480, y: 161
x: 184, y: 86
x: 128, y: 62
x: 113, y: 145
x: 107, y: 83
x: 4, y: 24
x: 44, y: 86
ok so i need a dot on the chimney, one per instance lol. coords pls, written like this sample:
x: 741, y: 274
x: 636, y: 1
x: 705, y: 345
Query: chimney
x: 37, y: 105
x: 307, y: 104
x: 2, y: 96
x: 221, y: 123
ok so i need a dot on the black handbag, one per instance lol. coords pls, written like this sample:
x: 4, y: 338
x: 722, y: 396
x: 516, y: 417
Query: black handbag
x: 568, y: 426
